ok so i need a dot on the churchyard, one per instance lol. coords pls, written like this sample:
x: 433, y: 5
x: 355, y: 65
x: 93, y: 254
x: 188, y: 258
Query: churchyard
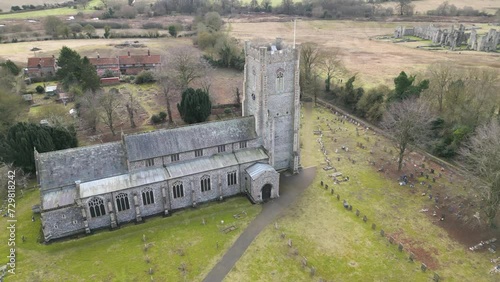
x: 320, y: 240
x: 183, y: 247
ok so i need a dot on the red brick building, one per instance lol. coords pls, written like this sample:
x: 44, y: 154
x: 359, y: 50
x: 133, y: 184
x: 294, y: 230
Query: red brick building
x: 134, y: 64
x: 41, y: 67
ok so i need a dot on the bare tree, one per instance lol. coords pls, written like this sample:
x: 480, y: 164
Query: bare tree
x: 131, y: 107
x: 109, y: 102
x: 481, y: 155
x: 442, y: 75
x: 309, y: 58
x: 330, y: 64
x: 405, y: 7
x: 408, y: 122
x: 89, y: 109
x: 186, y: 66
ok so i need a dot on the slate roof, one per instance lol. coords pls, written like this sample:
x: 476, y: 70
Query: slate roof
x: 125, y: 181
x: 259, y: 168
x: 43, y: 61
x: 103, y: 61
x: 58, y: 198
x: 139, y: 59
x: 64, y: 167
x: 183, y: 139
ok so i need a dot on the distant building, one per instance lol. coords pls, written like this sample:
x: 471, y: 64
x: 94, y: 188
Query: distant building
x: 51, y: 90
x: 41, y: 67
x: 106, y: 64
x: 105, y: 185
x: 134, y: 64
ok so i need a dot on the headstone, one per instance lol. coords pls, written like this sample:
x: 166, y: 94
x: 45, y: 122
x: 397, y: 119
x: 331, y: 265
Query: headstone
x: 391, y: 239
x: 338, y: 197
x: 331, y: 191
x: 411, y: 257
x: 374, y: 226
x: 276, y: 225
x: 423, y: 267
x: 304, y: 261
x: 436, y: 277
x: 313, y: 271
x: 350, y: 208
x: 434, y: 179
x: 382, y: 233
x: 432, y: 171
x: 326, y: 186
x: 282, y: 235
x: 365, y: 219
x: 203, y: 221
x: 357, y: 212
x: 400, y: 247
x: 426, y: 176
x: 321, y: 183
x: 290, y: 243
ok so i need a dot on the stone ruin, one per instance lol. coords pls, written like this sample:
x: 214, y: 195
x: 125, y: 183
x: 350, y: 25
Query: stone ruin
x: 452, y: 38
x: 486, y: 43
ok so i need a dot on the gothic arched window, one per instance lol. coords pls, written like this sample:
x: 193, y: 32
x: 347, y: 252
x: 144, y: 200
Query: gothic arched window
x: 122, y: 202
x: 280, y: 82
x: 205, y: 183
x: 178, y: 189
x: 147, y: 196
x: 96, y: 207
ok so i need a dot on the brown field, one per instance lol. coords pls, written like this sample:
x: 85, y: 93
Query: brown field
x: 374, y: 61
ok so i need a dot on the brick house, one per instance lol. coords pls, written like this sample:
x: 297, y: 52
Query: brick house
x: 41, y: 67
x: 134, y: 64
x: 103, y: 64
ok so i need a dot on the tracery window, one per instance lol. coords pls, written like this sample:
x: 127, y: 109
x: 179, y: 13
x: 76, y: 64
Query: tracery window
x: 205, y: 183
x: 178, y: 190
x: 96, y: 207
x: 148, y: 197
x: 122, y: 202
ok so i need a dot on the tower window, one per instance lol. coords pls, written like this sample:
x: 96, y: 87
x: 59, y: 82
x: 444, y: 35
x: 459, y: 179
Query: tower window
x: 243, y: 144
x: 280, y: 83
x: 150, y: 162
x: 221, y: 148
x: 174, y: 157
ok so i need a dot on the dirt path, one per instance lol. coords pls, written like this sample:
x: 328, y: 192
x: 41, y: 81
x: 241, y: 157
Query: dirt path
x: 290, y: 189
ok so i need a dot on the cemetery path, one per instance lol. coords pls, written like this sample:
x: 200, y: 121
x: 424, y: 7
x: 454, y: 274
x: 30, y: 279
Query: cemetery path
x: 290, y: 189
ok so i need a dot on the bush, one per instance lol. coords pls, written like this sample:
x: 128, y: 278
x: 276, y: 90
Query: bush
x: 162, y: 116
x: 172, y: 30
x: 144, y: 77
x: 39, y: 89
x: 113, y: 25
x: 152, y: 26
x: 155, y: 119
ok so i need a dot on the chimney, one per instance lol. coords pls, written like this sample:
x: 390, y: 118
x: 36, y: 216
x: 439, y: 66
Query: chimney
x: 129, y: 53
x: 149, y: 53
x: 98, y: 56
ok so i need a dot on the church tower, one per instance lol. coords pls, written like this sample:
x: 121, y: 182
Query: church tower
x: 271, y: 94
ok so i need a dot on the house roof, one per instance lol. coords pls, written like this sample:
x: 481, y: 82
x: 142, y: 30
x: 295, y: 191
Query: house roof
x: 258, y: 169
x: 43, y: 61
x: 139, y: 59
x: 184, y: 139
x: 58, y: 198
x: 202, y: 164
x: 64, y: 167
x: 51, y: 88
x: 103, y: 61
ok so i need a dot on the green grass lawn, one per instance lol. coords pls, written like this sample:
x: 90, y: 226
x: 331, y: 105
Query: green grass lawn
x: 65, y: 11
x: 119, y: 255
x: 337, y: 243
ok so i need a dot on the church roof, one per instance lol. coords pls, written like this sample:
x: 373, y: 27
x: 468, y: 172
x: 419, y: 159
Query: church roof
x: 259, y: 168
x: 120, y: 182
x: 64, y: 167
x: 183, y: 139
x: 58, y: 198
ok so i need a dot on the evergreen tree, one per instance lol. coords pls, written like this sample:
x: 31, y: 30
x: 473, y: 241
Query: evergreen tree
x: 404, y: 87
x: 17, y: 146
x: 76, y: 70
x: 195, y: 105
x: 89, y: 79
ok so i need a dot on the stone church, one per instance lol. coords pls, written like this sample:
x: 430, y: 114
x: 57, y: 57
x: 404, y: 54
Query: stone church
x: 145, y: 174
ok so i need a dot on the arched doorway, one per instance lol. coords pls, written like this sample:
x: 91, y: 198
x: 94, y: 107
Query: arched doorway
x: 266, y: 192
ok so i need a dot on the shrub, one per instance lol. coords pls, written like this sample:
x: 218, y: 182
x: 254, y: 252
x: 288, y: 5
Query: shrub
x: 152, y: 26
x: 144, y: 77
x: 172, y: 30
x: 155, y: 119
x: 39, y: 89
x: 162, y: 116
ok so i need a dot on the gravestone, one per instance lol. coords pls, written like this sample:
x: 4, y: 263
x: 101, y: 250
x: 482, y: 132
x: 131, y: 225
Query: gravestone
x: 365, y: 219
x: 338, y: 197
x: 382, y: 233
x: 313, y: 271
x: 304, y: 261
x: 321, y: 183
x: 374, y: 226
x: 326, y: 186
x: 357, y: 212
x: 436, y: 277
x: 400, y: 247
x: 423, y: 267
x: 411, y: 257
x: 331, y: 191
x: 276, y: 226
x: 282, y: 235
x: 290, y: 243
x: 391, y: 239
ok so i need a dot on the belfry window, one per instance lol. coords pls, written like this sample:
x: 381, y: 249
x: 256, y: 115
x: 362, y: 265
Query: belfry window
x: 280, y: 82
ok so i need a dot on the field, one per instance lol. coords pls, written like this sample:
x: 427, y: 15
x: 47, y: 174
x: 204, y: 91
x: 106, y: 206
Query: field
x: 421, y: 6
x: 179, y: 248
x: 375, y: 62
x: 339, y: 246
